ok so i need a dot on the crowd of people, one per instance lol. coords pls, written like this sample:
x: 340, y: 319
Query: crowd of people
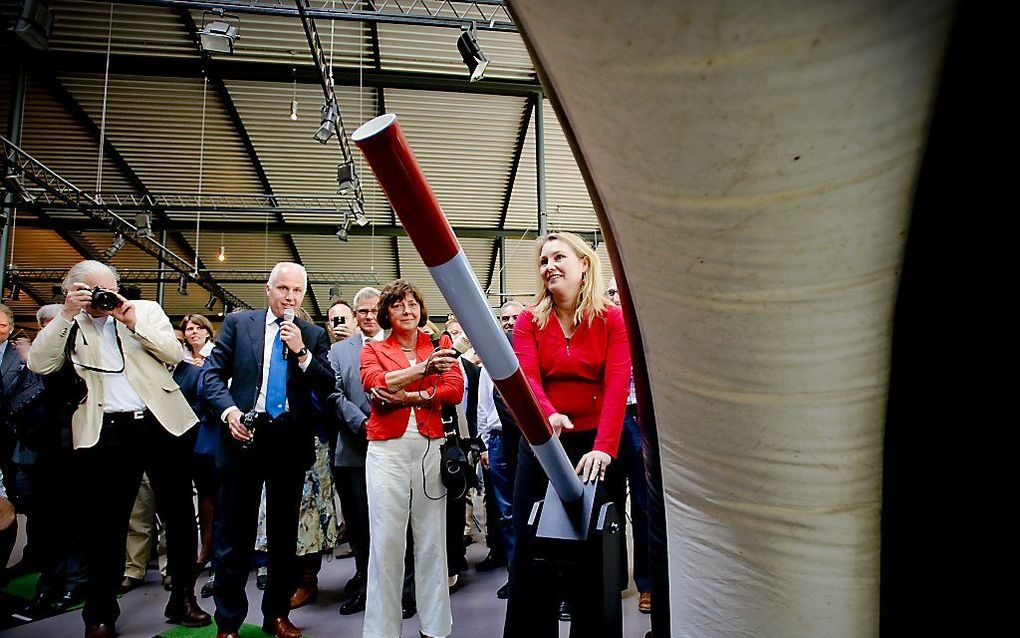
x: 262, y: 422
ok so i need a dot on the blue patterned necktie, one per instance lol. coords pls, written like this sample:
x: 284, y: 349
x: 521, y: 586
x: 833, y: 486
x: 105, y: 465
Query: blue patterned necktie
x: 276, y: 390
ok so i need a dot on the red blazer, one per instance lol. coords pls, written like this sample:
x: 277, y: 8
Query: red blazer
x: 389, y: 421
x: 588, y: 380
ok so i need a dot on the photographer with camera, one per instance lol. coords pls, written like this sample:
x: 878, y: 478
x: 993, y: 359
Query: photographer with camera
x: 113, y: 354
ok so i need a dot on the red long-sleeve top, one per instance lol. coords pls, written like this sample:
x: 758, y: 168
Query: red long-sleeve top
x: 587, y: 378
x: 389, y: 421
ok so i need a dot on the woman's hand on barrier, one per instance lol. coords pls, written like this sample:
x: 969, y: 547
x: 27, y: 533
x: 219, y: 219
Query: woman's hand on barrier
x: 593, y: 466
x: 560, y: 422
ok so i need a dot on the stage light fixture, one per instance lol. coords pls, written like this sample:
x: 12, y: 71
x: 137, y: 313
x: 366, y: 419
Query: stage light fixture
x: 182, y: 285
x: 327, y: 124
x: 212, y: 302
x: 217, y: 36
x: 118, y: 243
x: 341, y: 233
x: 358, y: 210
x: 35, y: 25
x: 345, y: 177
x: 471, y: 53
x: 15, y: 290
x: 143, y: 221
x: 15, y: 184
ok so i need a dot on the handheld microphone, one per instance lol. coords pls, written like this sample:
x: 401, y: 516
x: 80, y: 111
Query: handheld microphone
x: 288, y: 315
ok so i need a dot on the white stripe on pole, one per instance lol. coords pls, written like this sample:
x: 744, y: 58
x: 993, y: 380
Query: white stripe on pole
x: 459, y: 286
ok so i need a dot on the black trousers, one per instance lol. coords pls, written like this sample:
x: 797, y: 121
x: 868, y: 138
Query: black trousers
x: 536, y: 591
x: 353, y: 494
x: 109, y: 474
x: 56, y: 522
x: 273, y: 460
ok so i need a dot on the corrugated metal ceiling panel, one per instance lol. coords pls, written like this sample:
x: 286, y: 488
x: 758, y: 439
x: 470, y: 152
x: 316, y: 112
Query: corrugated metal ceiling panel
x: 156, y: 124
x: 406, y: 47
x: 568, y: 204
x: 282, y: 39
x: 244, y: 251
x: 465, y: 145
x: 39, y: 248
x: 137, y: 30
x: 293, y: 161
x: 57, y: 139
x: 478, y: 252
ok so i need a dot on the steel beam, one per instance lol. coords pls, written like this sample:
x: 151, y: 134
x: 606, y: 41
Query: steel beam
x: 256, y: 71
x: 260, y: 227
x: 487, y: 14
x: 515, y: 163
x: 161, y: 275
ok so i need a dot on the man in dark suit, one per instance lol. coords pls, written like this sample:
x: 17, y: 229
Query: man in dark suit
x: 352, y: 407
x: 274, y: 366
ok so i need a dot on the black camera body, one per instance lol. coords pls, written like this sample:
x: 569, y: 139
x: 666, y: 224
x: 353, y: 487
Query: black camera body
x: 338, y: 320
x: 103, y: 299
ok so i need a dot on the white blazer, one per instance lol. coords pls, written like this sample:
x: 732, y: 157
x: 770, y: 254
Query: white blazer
x: 147, y: 352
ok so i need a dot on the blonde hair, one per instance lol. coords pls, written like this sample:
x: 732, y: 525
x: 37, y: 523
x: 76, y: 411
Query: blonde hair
x: 592, y: 300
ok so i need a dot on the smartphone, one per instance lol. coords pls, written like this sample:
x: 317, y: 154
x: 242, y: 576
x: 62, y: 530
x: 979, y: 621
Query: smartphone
x: 339, y: 320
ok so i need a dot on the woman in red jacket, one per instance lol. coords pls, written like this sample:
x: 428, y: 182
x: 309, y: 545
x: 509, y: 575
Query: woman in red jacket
x: 572, y: 345
x: 408, y: 383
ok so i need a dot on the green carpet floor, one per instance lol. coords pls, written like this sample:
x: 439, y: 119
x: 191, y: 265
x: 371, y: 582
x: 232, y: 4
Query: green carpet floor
x: 247, y: 631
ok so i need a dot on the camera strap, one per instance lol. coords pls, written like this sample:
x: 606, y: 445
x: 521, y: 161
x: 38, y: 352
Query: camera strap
x: 71, y: 348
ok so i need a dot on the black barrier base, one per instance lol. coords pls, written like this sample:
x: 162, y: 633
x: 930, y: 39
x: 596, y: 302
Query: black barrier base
x: 580, y: 542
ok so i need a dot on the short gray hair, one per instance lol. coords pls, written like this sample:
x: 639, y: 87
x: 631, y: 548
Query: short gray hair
x: 366, y: 292
x: 511, y: 303
x: 5, y: 309
x: 287, y: 265
x: 49, y: 311
x: 83, y: 269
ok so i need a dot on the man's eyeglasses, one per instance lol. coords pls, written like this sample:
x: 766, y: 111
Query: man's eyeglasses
x: 612, y: 292
x: 364, y: 312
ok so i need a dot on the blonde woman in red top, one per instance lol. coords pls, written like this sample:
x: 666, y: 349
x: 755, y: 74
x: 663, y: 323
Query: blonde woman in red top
x: 408, y: 383
x: 572, y: 345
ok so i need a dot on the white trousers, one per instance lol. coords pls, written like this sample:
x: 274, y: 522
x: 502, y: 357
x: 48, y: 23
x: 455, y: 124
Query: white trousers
x: 393, y: 473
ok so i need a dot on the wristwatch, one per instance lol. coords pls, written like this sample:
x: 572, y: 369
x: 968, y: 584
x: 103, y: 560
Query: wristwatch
x: 302, y: 352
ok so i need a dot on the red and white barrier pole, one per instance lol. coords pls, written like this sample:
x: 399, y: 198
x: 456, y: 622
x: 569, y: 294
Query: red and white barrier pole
x: 382, y: 142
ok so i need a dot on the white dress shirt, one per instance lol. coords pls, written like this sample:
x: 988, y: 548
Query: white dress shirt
x: 118, y: 393
x: 488, y: 417
x: 379, y: 336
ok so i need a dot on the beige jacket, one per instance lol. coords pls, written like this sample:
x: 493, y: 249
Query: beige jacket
x: 147, y: 351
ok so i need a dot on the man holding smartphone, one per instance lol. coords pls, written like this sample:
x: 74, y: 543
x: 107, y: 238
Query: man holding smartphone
x: 339, y: 321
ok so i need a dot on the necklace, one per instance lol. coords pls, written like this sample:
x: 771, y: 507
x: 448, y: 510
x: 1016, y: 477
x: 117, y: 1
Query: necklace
x: 407, y: 349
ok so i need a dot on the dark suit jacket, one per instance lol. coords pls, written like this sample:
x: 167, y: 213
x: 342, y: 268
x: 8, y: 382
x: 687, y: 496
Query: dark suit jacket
x: 350, y: 402
x: 238, y: 357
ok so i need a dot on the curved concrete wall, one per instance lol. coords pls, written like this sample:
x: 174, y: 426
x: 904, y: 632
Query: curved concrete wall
x: 754, y: 165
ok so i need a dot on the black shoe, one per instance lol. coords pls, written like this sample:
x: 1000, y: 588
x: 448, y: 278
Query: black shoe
x: 354, y: 605
x: 564, y: 612
x: 40, y: 606
x: 491, y: 562
x: 355, y: 584
x: 129, y: 583
x: 207, y: 588
x: 68, y: 600
x: 503, y: 591
x: 261, y: 580
x: 408, y: 609
x: 167, y: 583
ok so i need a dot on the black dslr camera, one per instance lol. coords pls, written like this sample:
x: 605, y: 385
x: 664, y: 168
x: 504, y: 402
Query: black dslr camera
x: 103, y: 299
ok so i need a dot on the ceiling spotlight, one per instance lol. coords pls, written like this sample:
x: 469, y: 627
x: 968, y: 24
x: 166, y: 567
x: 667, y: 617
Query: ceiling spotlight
x: 327, y: 125
x: 15, y: 184
x: 118, y: 243
x: 345, y: 177
x: 182, y: 285
x: 222, y: 255
x: 341, y: 233
x: 143, y: 221
x: 212, y: 302
x: 358, y: 210
x: 293, y: 110
x: 217, y: 36
x: 293, y: 96
x: 472, y: 55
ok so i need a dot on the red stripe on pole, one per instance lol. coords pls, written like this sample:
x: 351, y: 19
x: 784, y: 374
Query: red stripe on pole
x: 409, y: 193
x: 520, y: 398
